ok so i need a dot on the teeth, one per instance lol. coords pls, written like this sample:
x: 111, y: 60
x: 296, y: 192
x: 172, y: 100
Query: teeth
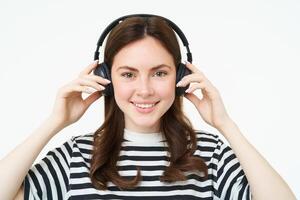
x: 144, y: 105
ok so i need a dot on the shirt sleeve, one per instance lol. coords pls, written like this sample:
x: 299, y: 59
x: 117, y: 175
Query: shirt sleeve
x: 231, y: 182
x: 49, y: 178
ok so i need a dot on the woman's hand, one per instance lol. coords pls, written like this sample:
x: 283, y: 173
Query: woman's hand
x: 69, y: 105
x: 210, y: 107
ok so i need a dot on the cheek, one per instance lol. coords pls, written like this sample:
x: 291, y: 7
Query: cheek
x: 122, y: 91
x: 166, y: 89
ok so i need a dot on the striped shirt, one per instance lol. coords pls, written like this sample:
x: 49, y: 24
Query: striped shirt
x: 64, y: 172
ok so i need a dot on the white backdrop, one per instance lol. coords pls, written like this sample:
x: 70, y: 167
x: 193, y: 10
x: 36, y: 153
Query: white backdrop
x: 248, y: 50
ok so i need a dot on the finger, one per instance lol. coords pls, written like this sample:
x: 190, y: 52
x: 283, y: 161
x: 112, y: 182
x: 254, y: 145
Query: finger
x: 189, y: 79
x: 89, y: 68
x: 65, y: 91
x: 92, y: 98
x: 192, y: 97
x: 90, y: 83
x: 206, y: 89
x: 80, y: 88
x: 195, y: 86
x: 98, y: 79
x: 192, y: 67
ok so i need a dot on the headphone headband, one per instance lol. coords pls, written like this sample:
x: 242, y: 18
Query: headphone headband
x: 116, y: 22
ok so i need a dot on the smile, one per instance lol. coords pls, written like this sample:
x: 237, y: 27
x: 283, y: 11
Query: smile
x: 144, y: 108
x: 144, y: 105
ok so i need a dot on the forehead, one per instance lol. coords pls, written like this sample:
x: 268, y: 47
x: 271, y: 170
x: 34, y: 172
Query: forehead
x: 146, y: 53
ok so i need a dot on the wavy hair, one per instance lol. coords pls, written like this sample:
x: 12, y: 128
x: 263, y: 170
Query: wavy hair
x: 176, y: 127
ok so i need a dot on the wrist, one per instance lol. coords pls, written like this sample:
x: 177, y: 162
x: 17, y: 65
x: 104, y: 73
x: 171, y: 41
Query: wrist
x: 227, y: 126
x: 228, y: 130
x: 55, y: 123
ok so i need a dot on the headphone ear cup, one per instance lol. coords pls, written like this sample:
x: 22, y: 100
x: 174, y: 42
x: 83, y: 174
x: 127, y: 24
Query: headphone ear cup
x: 182, y: 71
x: 102, y: 70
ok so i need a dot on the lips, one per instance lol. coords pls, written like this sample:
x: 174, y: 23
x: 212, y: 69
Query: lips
x: 155, y: 102
x: 145, y: 109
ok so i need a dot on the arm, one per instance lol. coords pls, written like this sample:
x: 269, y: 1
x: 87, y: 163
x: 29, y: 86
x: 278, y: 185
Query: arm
x: 264, y: 181
x: 20, y: 194
x: 68, y: 108
x: 12, y: 173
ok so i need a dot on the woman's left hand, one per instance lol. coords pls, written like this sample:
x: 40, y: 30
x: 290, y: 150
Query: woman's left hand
x: 210, y: 107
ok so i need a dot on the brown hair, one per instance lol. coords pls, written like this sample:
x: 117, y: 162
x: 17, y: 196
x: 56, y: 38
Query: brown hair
x: 176, y: 127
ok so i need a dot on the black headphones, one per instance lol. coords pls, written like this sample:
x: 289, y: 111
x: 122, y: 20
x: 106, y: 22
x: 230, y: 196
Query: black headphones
x: 103, y: 69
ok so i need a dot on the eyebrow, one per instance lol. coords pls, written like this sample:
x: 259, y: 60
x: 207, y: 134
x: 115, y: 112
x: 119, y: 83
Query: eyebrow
x: 153, y: 68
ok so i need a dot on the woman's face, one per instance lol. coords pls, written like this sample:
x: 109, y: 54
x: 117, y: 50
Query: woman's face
x: 143, y: 76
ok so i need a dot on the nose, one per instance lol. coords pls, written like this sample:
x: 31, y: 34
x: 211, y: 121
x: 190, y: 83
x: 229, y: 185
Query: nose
x: 144, y: 88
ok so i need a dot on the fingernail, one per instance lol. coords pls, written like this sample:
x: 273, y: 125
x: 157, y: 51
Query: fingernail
x: 108, y: 81
x: 96, y: 61
x: 103, y: 88
x: 179, y: 83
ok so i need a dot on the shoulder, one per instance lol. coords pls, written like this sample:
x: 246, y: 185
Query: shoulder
x: 216, y: 146
x: 81, y: 142
x: 88, y: 137
x: 208, y: 144
x: 207, y: 137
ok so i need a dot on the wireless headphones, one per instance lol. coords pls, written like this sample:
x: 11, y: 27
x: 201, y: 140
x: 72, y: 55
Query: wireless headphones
x: 103, y: 69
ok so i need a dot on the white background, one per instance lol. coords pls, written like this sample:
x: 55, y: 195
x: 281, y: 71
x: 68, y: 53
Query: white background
x: 248, y: 50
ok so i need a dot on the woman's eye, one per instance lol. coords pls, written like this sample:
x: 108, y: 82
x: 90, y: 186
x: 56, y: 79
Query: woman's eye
x: 130, y: 75
x: 162, y: 73
x: 127, y: 74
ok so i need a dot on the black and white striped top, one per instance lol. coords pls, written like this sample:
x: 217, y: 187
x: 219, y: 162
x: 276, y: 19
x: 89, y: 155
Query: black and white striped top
x: 64, y: 172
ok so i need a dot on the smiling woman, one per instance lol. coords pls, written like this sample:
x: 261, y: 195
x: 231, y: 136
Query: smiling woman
x: 146, y: 146
x: 143, y: 101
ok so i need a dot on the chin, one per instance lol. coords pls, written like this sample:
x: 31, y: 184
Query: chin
x: 145, y: 123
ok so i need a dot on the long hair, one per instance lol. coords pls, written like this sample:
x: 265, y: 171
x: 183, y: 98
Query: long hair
x: 176, y: 127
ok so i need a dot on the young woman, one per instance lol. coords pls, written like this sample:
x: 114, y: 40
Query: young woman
x: 146, y: 147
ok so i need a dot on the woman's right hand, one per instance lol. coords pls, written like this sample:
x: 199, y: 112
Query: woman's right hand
x: 69, y: 105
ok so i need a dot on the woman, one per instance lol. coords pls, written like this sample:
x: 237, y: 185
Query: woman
x: 146, y: 146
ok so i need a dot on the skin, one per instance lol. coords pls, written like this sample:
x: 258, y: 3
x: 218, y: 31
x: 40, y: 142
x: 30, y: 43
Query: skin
x: 144, y: 84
